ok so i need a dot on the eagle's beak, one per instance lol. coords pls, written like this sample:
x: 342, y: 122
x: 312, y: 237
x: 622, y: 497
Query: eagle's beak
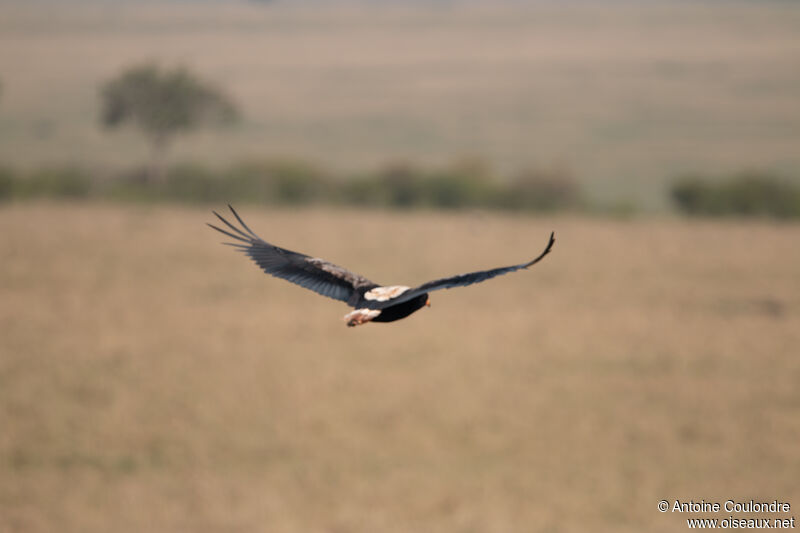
x: 428, y: 302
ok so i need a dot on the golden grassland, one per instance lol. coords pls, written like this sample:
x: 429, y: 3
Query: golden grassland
x: 153, y: 380
x: 624, y: 95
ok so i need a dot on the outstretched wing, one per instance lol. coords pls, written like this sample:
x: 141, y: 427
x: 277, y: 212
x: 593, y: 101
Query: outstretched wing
x: 312, y: 273
x: 460, y: 280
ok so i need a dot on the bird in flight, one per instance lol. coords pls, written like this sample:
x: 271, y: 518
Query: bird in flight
x: 372, y: 302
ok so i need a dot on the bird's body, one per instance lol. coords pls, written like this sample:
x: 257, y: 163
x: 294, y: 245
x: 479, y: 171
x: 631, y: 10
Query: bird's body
x: 388, y: 314
x: 372, y: 302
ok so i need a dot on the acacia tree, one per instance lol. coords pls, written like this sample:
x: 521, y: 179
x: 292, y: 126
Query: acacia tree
x: 162, y: 104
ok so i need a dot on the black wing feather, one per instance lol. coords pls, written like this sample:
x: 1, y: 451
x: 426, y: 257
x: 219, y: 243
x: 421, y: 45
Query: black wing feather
x: 461, y: 280
x: 311, y: 273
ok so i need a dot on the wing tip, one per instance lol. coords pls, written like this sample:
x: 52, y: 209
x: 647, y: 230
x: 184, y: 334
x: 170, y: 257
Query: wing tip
x: 546, y: 251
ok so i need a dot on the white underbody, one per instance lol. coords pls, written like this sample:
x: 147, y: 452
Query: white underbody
x: 381, y: 294
x: 360, y: 316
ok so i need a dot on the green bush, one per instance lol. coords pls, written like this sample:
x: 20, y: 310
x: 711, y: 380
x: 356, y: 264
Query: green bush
x: 405, y: 186
x: 746, y: 194
x: 293, y: 183
x: 536, y: 190
x: 400, y: 186
x: 361, y: 191
x: 7, y: 184
x: 191, y: 183
x: 261, y: 182
x: 452, y: 189
x: 282, y: 182
x: 247, y: 181
x: 52, y: 182
x: 276, y: 182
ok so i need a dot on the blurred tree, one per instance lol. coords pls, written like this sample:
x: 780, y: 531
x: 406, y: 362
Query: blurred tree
x: 162, y: 103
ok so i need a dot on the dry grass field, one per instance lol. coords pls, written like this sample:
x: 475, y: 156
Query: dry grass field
x: 623, y: 94
x: 153, y: 380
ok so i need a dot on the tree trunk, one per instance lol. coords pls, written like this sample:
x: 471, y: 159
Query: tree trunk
x: 157, y: 170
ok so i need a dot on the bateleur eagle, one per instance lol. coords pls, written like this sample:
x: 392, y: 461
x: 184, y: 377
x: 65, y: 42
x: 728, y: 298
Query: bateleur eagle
x: 372, y: 302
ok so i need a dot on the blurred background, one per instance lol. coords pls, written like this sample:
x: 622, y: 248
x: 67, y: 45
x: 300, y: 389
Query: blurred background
x: 152, y: 380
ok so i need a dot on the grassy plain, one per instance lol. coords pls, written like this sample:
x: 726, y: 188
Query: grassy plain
x: 624, y: 94
x: 153, y: 380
